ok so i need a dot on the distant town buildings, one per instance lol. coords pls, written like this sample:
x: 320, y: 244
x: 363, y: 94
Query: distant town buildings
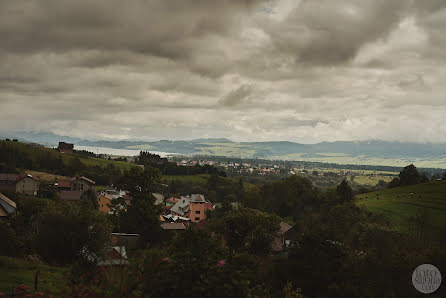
x: 65, y: 148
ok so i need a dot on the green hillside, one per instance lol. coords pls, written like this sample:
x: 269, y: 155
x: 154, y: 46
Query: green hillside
x: 401, y: 203
x: 16, y: 272
x: 17, y: 157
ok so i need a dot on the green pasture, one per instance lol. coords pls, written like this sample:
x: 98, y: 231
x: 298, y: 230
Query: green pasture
x: 401, y: 203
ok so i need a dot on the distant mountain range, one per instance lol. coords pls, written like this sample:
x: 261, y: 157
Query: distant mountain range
x: 351, y: 152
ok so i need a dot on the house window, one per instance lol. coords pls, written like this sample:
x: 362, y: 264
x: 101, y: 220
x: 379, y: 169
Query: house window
x: 197, y: 218
x: 197, y: 212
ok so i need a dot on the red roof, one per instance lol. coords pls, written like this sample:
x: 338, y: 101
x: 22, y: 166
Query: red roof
x: 208, y: 206
x: 64, y: 184
x: 15, y: 177
x: 87, y: 179
x: 28, y: 176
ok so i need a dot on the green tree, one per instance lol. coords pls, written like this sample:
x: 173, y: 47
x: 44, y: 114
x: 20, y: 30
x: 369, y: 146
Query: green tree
x: 138, y: 180
x: 344, y: 192
x: 142, y: 215
x: 68, y: 232
x: 409, y: 175
x: 90, y: 198
x: 248, y: 230
x: 394, y: 183
x: 196, y: 264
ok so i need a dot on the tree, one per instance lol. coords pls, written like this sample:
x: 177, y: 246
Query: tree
x: 344, y: 192
x: 90, y: 198
x: 138, y: 180
x: 69, y: 232
x: 249, y: 230
x: 10, y: 244
x: 409, y: 175
x: 394, y: 183
x: 206, y: 268
x: 142, y: 215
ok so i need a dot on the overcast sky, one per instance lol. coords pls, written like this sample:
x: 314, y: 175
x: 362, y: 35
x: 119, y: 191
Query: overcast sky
x: 303, y: 71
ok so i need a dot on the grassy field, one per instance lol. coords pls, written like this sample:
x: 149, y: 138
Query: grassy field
x: 15, y: 272
x: 92, y: 161
x: 399, y: 205
x: 45, y: 177
x: 194, y: 179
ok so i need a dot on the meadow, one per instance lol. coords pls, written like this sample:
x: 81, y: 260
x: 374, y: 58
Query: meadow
x: 401, y: 203
x: 15, y: 272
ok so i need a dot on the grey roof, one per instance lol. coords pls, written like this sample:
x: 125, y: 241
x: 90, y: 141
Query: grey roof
x: 197, y: 198
x: 7, y: 204
x: 182, y: 206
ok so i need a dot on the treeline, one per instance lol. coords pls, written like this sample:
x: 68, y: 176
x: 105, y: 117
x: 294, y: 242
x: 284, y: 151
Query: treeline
x: 171, y: 168
x: 409, y: 175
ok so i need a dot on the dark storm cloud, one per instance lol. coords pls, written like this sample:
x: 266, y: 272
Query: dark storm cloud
x: 306, y: 70
x: 332, y: 32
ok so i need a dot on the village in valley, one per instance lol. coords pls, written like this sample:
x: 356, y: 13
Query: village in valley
x: 85, y: 211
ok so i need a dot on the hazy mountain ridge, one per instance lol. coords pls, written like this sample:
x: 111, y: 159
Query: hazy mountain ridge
x: 271, y: 149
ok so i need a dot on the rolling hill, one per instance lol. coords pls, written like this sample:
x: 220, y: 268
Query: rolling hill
x: 401, y: 203
x: 374, y: 152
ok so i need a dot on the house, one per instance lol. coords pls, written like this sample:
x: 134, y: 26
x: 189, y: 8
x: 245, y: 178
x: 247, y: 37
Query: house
x: 24, y: 184
x: 63, y: 185
x: 171, y: 201
x: 77, y: 186
x: 81, y: 183
x: 279, y: 243
x: 181, y: 208
x: 176, y: 218
x: 113, y: 193
x: 197, y: 208
x: 103, y: 203
x: 65, y: 148
x: 130, y: 241
x: 7, y: 206
x: 116, y: 256
x: 291, y: 235
x: 193, y: 207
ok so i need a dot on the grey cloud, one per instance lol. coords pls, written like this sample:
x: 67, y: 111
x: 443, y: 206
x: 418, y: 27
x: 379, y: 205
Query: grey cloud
x: 331, y: 32
x: 237, y: 96
x: 327, y: 70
